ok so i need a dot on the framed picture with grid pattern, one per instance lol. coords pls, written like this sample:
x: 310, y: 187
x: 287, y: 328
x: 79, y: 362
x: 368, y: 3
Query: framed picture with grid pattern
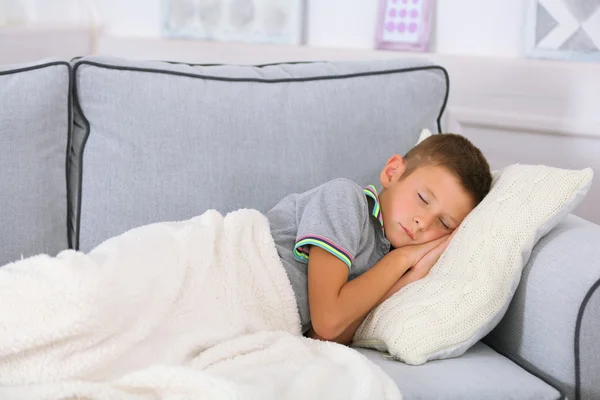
x: 405, y: 24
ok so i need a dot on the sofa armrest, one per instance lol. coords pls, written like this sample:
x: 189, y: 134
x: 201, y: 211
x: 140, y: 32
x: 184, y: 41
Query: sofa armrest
x: 552, y: 327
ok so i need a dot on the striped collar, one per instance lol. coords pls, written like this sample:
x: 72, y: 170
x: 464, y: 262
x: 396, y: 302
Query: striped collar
x: 371, y: 191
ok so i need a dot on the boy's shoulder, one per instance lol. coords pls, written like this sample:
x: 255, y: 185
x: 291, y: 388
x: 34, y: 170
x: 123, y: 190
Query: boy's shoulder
x: 340, y: 194
x: 341, y: 191
x: 342, y: 185
x: 343, y: 195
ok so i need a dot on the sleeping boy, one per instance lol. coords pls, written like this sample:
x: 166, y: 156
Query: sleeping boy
x: 346, y: 249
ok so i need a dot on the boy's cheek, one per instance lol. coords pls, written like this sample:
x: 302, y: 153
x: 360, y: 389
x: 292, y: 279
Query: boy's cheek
x: 396, y: 238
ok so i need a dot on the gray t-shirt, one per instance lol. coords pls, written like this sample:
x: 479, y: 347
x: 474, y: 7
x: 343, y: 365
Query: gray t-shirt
x: 338, y: 216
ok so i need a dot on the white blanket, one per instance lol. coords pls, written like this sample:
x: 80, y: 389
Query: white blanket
x: 199, y: 309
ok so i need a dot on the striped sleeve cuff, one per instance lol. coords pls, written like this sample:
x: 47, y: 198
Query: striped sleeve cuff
x: 301, y: 251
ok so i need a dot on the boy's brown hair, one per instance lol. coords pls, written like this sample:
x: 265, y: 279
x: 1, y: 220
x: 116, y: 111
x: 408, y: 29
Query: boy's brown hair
x: 459, y: 156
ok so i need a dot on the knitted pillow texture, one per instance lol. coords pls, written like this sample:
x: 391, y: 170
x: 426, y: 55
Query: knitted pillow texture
x: 467, y: 292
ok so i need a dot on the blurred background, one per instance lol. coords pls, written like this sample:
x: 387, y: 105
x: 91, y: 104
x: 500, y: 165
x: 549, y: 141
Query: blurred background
x: 498, y: 28
x: 524, y: 74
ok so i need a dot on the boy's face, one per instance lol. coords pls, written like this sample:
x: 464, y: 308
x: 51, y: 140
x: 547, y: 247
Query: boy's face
x: 423, y: 206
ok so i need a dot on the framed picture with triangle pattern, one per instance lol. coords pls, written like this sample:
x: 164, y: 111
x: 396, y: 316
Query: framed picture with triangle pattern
x: 564, y: 30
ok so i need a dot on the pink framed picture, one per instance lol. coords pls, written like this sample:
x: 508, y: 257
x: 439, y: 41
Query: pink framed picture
x: 404, y: 24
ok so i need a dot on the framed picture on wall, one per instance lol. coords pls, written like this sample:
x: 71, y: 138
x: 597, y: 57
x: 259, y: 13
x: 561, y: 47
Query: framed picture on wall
x: 404, y: 24
x: 254, y: 21
x: 564, y: 30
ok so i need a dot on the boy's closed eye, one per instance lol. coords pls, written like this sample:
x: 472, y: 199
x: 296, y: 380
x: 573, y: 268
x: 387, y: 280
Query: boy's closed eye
x: 441, y: 221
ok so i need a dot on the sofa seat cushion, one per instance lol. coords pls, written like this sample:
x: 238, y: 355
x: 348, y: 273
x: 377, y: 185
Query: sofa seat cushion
x: 480, y: 373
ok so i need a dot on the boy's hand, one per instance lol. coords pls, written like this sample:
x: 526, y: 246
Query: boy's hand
x: 421, y: 267
x: 416, y: 252
x: 424, y: 265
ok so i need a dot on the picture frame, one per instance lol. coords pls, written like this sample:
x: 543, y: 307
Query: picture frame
x: 563, y: 30
x: 250, y: 21
x: 404, y: 25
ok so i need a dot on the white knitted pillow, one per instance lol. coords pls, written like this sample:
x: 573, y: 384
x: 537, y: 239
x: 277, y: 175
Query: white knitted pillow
x: 468, y: 291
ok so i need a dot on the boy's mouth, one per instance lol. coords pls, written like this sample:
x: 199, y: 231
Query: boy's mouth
x: 408, y: 232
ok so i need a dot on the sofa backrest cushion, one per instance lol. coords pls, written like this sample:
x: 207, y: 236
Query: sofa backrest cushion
x: 35, y: 120
x: 156, y: 141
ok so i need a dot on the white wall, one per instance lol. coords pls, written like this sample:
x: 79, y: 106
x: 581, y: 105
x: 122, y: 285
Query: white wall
x: 45, y: 12
x: 131, y: 17
x: 480, y: 27
x: 466, y: 27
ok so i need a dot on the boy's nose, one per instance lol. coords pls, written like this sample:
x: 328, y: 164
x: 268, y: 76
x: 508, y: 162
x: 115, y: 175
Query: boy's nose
x: 422, y: 223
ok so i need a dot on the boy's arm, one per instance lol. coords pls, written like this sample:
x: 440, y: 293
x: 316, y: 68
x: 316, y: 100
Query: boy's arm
x: 335, y: 302
x: 412, y: 275
x: 420, y: 269
x: 348, y: 334
x: 399, y: 261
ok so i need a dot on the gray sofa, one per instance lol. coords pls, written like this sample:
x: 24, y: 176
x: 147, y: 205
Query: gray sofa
x: 95, y: 146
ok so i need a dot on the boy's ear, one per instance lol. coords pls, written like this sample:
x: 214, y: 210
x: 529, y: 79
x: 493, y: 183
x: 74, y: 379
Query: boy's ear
x: 393, y: 169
